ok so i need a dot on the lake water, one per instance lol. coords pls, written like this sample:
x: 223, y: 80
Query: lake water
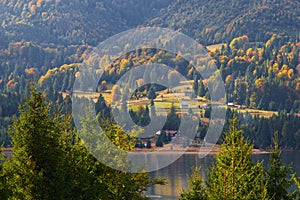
x: 176, y: 173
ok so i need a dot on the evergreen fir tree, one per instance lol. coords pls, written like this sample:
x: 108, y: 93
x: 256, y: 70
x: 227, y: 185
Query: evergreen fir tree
x: 4, y: 191
x: 277, y: 181
x: 195, y: 84
x: 152, y: 102
x: 173, y: 120
x: 201, y: 89
x: 151, y: 93
x: 159, y: 141
x: 234, y: 176
x: 196, y: 189
x: 149, y: 144
x: 49, y: 160
x: 35, y: 170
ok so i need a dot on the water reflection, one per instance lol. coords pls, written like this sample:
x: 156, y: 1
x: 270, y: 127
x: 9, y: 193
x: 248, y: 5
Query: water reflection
x: 176, y: 176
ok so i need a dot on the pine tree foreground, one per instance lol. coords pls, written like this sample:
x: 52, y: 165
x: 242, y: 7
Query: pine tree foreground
x: 49, y: 161
x: 235, y: 176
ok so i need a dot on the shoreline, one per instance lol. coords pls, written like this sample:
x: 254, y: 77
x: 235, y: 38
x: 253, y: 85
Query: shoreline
x: 190, y: 150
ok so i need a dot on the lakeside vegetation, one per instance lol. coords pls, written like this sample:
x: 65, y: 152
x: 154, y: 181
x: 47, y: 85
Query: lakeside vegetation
x: 234, y: 175
x: 261, y: 80
x: 49, y: 161
x: 254, y: 45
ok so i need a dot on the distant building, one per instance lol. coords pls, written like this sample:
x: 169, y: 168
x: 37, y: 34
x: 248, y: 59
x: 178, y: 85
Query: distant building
x: 205, y: 106
x: 230, y: 104
x: 171, y: 132
x: 158, y: 133
x: 184, y: 105
x: 187, y: 93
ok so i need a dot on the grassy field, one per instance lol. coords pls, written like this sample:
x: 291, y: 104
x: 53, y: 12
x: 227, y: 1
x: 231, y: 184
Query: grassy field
x: 166, y: 98
x: 261, y: 113
x: 214, y: 47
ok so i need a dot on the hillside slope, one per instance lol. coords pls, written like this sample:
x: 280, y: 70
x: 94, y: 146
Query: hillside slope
x: 74, y: 21
x: 214, y: 21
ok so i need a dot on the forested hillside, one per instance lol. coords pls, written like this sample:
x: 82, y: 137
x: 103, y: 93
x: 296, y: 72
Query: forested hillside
x: 91, y: 21
x: 263, y: 76
x: 45, y: 41
x: 221, y: 20
x: 72, y: 22
x: 253, y: 45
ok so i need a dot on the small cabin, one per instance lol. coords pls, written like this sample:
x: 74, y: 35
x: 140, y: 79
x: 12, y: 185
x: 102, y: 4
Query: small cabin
x: 158, y: 133
x: 184, y: 105
x: 205, y: 106
x: 230, y: 104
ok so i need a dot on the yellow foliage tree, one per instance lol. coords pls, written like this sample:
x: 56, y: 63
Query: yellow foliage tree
x: 115, y: 93
x: 228, y: 78
x: 39, y: 3
x: 290, y: 73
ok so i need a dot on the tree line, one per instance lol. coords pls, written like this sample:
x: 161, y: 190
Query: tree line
x: 50, y: 161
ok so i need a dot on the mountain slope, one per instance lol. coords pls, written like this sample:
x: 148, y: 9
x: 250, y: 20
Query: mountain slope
x: 214, y: 21
x: 74, y: 21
